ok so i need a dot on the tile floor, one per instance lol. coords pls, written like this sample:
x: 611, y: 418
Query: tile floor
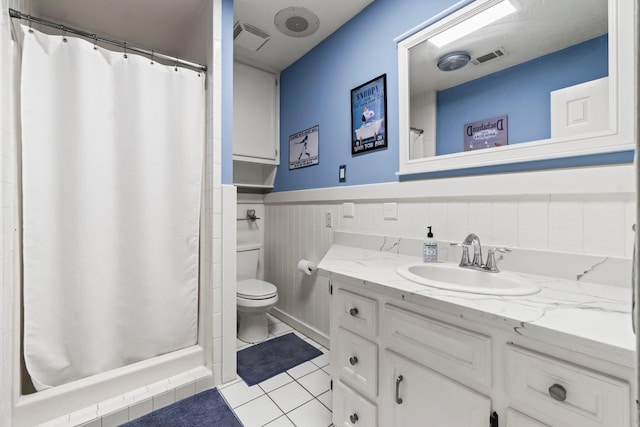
x: 300, y: 397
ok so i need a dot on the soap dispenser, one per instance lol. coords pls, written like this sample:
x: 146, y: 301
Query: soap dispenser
x: 430, y: 247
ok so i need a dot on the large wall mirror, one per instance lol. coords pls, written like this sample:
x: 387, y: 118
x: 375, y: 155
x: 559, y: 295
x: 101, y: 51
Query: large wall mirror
x: 508, y: 81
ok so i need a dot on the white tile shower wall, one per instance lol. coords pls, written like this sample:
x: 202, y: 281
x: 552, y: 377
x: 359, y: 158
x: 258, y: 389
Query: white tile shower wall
x: 582, y: 224
x: 212, y: 277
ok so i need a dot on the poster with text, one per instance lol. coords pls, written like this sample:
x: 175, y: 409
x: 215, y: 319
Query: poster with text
x: 368, y: 114
x: 486, y: 133
x: 303, y: 148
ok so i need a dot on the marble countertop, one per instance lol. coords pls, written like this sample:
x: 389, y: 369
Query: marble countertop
x: 592, y: 318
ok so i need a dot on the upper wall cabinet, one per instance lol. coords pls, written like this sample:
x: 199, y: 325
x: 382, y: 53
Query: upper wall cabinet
x: 255, y: 127
x: 509, y: 81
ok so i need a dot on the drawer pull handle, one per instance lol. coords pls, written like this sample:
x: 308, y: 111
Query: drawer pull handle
x: 353, y: 418
x: 558, y: 392
x: 353, y: 311
x: 399, y: 379
x: 353, y: 360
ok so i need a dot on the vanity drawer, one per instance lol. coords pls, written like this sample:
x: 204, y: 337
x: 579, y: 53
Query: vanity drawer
x: 357, y: 312
x: 455, y: 352
x: 355, y: 361
x: 568, y: 394
x: 351, y: 409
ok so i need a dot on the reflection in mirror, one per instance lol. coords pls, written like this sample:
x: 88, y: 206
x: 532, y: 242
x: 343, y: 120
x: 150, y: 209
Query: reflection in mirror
x: 524, y: 68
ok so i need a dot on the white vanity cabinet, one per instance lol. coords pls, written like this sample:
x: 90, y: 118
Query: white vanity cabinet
x: 397, y: 363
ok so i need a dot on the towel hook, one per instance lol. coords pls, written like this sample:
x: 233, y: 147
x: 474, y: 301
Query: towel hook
x: 125, y: 50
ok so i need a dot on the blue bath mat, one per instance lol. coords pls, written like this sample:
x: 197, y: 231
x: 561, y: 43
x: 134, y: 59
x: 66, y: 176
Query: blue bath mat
x: 270, y: 358
x: 203, y: 409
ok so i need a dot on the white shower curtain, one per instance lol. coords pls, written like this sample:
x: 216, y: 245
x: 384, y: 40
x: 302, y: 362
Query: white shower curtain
x: 111, y: 180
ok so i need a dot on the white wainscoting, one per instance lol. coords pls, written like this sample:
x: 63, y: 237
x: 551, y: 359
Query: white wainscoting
x: 586, y: 211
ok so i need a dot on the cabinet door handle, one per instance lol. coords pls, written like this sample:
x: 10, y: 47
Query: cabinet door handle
x: 399, y: 379
x: 353, y: 360
x: 353, y: 311
x: 353, y: 418
x: 558, y: 392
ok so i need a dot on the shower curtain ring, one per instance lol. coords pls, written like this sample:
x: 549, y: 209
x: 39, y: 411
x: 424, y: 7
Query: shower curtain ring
x: 151, y: 57
x: 64, y: 33
x: 125, y: 50
x: 29, y: 19
x: 95, y: 41
x: 176, y: 66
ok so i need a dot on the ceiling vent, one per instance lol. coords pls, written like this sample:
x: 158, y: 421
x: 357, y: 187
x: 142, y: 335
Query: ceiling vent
x: 488, y: 56
x: 248, y: 36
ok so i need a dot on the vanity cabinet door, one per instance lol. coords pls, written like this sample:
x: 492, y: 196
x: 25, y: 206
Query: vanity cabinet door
x: 517, y: 419
x: 413, y: 395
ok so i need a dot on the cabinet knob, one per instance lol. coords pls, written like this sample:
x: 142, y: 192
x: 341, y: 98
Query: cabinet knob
x: 353, y: 311
x: 353, y: 360
x: 353, y: 418
x: 558, y: 392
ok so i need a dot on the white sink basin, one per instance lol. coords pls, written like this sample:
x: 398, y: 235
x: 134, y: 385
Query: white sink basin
x: 452, y: 277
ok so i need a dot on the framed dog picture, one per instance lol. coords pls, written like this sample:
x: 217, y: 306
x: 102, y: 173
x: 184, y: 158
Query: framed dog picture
x: 368, y: 115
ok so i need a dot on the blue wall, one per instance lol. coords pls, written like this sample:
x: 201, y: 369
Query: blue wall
x: 529, y: 113
x: 227, y: 92
x: 315, y: 90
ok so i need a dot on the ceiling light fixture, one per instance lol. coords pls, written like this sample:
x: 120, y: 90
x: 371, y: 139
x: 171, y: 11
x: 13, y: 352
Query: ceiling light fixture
x: 453, y: 61
x: 296, y: 22
x: 473, y: 23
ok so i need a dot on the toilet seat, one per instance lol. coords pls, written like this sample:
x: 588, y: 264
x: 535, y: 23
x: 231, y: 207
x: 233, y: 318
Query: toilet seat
x: 255, y: 289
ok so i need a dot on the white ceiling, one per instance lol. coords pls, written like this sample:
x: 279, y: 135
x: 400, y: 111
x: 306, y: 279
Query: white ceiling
x: 537, y: 28
x: 281, y: 50
x: 162, y: 25
x: 166, y: 25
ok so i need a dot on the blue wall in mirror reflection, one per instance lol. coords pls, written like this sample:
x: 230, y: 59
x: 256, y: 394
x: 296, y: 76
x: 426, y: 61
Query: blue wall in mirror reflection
x: 521, y: 92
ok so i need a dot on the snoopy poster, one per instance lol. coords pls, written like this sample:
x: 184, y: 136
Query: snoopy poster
x: 303, y: 148
x: 368, y: 111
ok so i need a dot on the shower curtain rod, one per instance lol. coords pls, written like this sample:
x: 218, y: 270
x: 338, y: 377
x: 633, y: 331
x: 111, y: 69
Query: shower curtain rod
x: 152, y: 53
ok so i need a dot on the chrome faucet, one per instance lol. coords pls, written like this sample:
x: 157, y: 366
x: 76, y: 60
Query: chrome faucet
x: 476, y: 263
x: 474, y: 240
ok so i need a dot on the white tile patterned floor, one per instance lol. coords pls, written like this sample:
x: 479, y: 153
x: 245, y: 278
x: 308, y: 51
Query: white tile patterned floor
x: 300, y: 397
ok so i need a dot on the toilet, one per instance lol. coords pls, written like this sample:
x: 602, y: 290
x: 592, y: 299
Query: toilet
x: 254, y: 296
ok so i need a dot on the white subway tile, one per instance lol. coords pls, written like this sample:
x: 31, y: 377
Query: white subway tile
x: 504, y: 224
x: 164, y: 399
x: 116, y: 418
x: 480, y: 220
x: 533, y: 224
x: 457, y: 220
x: 604, y: 228
x: 566, y: 226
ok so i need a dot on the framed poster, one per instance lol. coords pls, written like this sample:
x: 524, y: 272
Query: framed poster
x: 486, y: 133
x: 303, y: 148
x: 368, y: 114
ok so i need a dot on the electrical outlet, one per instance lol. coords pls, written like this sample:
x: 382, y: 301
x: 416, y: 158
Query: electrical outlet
x: 328, y: 220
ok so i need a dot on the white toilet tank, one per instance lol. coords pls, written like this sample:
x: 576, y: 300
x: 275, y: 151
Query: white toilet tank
x: 247, y: 261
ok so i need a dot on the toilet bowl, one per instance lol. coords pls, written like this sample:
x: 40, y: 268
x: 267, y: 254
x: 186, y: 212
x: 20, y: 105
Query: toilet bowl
x: 254, y: 297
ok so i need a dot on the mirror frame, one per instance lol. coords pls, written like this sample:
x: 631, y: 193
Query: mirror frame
x: 622, y: 91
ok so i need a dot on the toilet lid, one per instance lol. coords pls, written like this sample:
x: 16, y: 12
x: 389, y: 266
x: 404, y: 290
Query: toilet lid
x: 256, y: 289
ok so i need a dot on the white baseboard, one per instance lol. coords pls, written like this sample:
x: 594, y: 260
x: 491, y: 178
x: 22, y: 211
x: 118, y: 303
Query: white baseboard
x: 302, y: 327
